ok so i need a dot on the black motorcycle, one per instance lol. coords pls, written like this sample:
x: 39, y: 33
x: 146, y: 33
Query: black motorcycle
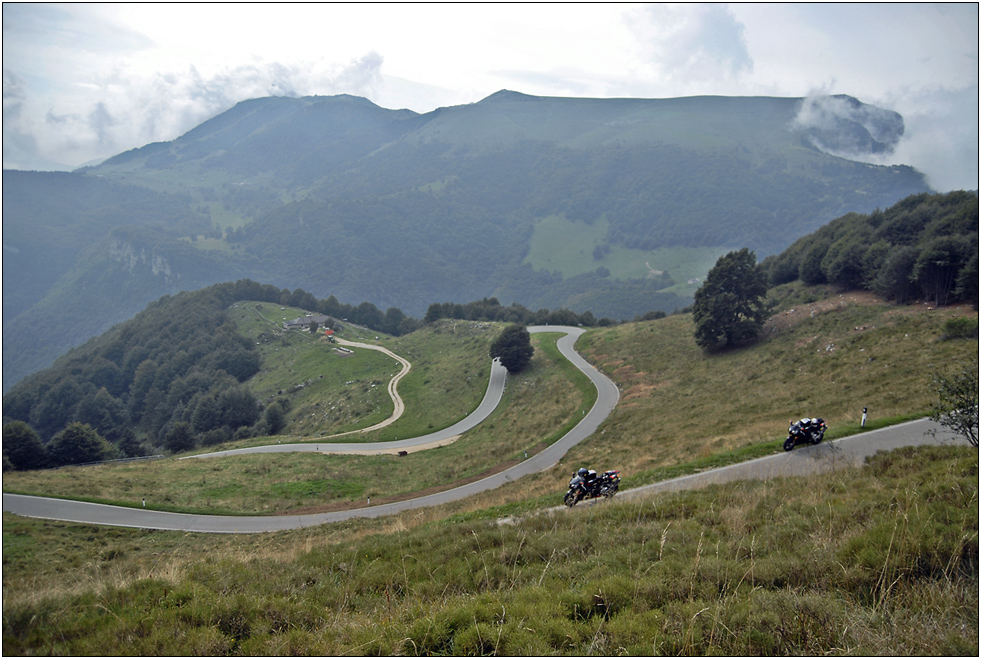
x: 605, y: 485
x: 799, y: 433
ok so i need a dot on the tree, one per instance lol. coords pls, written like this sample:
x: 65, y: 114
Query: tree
x: 810, y: 271
x: 730, y: 307
x: 23, y: 447
x: 80, y: 444
x: 238, y: 406
x: 938, y: 265
x: 894, y: 280
x: 180, y: 438
x: 275, y: 418
x: 967, y: 281
x: 514, y: 348
x: 957, y: 407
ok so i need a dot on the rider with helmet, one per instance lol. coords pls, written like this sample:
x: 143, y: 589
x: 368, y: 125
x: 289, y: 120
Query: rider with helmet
x: 588, y: 478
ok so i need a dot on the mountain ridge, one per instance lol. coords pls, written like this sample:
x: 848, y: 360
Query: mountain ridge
x: 340, y: 196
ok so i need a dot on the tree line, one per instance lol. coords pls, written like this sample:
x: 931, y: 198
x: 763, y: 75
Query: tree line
x: 925, y: 246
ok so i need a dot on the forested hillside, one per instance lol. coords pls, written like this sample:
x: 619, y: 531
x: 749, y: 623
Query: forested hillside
x: 347, y: 199
x: 172, y: 378
x: 926, y: 246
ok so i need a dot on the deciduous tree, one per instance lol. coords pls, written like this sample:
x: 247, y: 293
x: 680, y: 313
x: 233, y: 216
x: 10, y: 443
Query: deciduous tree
x: 957, y: 405
x: 514, y: 348
x: 22, y: 446
x: 730, y: 306
x: 78, y: 443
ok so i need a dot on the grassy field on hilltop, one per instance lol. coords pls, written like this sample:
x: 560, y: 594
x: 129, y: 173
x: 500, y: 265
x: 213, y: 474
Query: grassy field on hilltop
x: 875, y: 561
x: 332, y: 392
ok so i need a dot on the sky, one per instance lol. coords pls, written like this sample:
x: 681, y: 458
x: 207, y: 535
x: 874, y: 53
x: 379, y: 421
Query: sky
x: 82, y: 82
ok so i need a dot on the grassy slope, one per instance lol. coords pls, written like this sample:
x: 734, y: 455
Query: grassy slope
x: 880, y: 561
x: 567, y: 246
x: 680, y: 409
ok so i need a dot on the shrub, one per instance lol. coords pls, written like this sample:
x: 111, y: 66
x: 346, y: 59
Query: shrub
x: 960, y: 328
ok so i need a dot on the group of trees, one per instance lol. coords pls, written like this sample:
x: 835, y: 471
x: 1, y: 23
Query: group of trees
x: 925, y: 246
x: 490, y: 310
x: 173, y: 370
x: 78, y: 443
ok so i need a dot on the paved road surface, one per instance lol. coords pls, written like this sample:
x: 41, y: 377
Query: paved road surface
x: 492, y: 397
x: 805, y: 460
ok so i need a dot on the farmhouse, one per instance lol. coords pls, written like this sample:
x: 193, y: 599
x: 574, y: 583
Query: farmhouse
x: 303, y: 322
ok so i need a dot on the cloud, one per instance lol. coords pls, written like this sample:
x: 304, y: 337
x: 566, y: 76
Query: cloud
x: 691, y: 45
x: 941, y: 137
x: 120, y: 109
x: 844, y: 126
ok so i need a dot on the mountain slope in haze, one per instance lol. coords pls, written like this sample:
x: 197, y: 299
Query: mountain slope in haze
x: 613, y: 205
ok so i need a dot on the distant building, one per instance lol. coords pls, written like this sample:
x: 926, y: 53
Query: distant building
x: 303, y: 322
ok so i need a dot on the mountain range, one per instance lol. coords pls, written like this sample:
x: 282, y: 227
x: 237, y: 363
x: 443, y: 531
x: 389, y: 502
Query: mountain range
x: 617, y: 206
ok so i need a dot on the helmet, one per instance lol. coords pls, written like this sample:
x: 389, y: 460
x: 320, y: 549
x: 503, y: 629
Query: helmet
x: 805, y: 421
x: 583, y: 472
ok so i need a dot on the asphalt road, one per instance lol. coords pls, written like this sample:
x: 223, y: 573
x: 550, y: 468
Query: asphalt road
x: 77, y: 511
x: 806, y: 460
x: 492, y: 397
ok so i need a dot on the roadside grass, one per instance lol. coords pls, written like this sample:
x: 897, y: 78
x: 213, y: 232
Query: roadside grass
x: 536, y: 403
x: 880, y: 560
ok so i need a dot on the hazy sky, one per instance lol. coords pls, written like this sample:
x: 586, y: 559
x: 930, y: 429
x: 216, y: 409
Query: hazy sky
x: 86, y: 81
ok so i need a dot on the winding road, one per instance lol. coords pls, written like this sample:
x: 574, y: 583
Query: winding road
x: 824, y: 457
x: 607, y: 396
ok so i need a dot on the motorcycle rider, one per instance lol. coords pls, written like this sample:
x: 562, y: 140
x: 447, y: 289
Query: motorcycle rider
x: 588, y: 478
x: 810, y: 427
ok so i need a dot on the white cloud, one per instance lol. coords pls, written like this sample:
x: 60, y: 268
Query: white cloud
x: 690, y: 47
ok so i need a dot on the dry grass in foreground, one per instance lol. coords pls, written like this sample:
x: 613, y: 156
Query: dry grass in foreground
x: 875, y: 561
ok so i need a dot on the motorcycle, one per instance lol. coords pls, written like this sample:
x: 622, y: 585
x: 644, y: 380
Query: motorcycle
x: 798, y: 434
x: 605, y: 485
